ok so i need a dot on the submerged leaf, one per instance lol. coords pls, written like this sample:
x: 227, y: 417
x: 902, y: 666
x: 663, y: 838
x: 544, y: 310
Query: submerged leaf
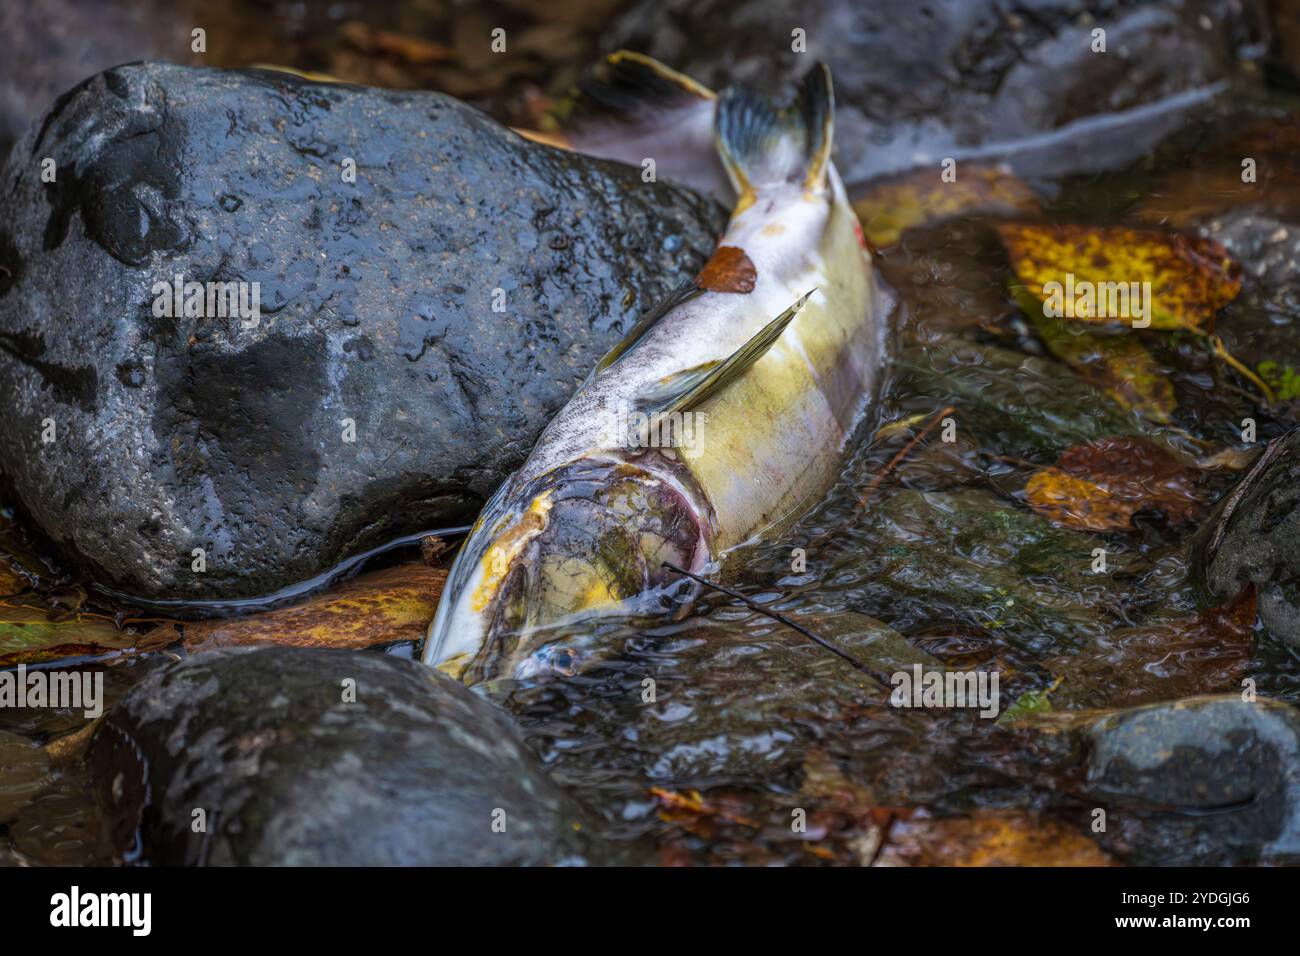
x: 990, y: 838
x: 1100, y: 486
x: 1030, y: 702
x: 1097, y: 274
x: 890, y: 209
x: 1119, y: 364
x: 30, y: 635
x: 378, y: 608
x: 1204, y: 653
x: 1215, y: 180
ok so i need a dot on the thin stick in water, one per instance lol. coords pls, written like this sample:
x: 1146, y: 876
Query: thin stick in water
x: 879, y: 678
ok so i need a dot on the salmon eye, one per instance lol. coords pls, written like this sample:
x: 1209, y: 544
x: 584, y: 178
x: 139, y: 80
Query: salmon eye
x: 556, y: 661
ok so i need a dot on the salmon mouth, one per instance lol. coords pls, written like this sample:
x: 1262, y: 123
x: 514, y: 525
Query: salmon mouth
x: 587, y: 539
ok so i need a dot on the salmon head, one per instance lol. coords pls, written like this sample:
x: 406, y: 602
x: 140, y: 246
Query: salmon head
x: 586, y: 539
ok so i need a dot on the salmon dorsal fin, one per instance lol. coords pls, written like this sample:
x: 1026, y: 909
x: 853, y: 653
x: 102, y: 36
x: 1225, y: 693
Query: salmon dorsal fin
x: 630, y: 87
x: 763, y: 146
x: 682, y: 294
x: 692, y: 387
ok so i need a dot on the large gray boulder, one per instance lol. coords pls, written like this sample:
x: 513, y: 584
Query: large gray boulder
x: 439, y: 309
x: 416, y: 770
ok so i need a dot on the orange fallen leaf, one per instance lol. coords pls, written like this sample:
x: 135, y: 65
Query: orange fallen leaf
x: 394, y: 604
x: 990, y: 838
x: 11, y: 582
x: 1101, y: 485
x: 690, y: 807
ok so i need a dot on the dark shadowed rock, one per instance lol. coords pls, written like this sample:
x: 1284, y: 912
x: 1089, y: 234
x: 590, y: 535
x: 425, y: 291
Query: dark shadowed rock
x: 1202, y: 780
x: 288, y: 772
x: 377, y: 314
x: 920, y: 80
x: 1254, y: 535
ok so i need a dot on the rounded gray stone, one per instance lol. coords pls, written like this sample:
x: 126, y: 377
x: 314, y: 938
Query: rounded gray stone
x: 417, y: 770
x: 440, y: 309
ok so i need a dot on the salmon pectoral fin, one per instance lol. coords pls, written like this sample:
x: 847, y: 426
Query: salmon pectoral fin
x: 693, y: 387
x: 765, y: 146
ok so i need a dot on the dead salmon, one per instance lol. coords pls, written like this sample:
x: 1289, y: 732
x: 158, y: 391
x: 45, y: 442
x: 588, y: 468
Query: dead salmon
x: 721, y: 413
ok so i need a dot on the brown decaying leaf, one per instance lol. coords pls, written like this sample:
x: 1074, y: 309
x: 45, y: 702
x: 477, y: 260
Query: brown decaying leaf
x: 1204, y: 653
x: 990, y: 838
x: 394, y: 604
x: 690, y: 809
x: 411, y: 49
x: 1101, y: 485
x: 11, y: 582
x: 729, y: 269
x: 1213, y: 182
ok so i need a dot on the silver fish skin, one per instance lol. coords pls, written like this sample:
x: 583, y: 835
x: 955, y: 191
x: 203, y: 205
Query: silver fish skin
x: 757, y: 376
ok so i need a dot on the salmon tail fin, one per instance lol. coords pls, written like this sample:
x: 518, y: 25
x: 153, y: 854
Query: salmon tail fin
x: 628, y: 87
x: 630, y: 108
x: 763, y: 146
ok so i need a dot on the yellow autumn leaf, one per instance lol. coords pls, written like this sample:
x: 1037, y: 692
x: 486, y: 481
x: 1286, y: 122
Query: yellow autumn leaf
x: 30, y: 635
x: 891, y: 208
x: 378, y: 608
x: 1141, y: 277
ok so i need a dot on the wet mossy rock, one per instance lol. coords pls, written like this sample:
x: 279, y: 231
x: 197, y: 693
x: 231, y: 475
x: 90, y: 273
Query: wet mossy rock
x: 1205, y: 780
x: 414, y: 771
x: 917, y: 81
x: 1254, y: 535
x: 377, y: 316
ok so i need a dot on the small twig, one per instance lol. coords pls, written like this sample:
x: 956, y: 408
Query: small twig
x: 1222, y: 352
x: 878, y: 677
x: 893, y: 462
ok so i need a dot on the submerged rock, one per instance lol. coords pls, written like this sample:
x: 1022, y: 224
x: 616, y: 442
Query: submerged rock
x: 415, y: 770
x: 1202, y: 780
x: 1254, y: 535
x: 919, y: 82
x: 418, y: 326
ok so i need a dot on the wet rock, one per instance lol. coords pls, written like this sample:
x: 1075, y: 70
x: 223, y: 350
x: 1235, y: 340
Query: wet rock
x: 1202, y: 780
x: 1254, y: 535
x: 918, y: 82
x: 413, y: 771
x: 438, y: 311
